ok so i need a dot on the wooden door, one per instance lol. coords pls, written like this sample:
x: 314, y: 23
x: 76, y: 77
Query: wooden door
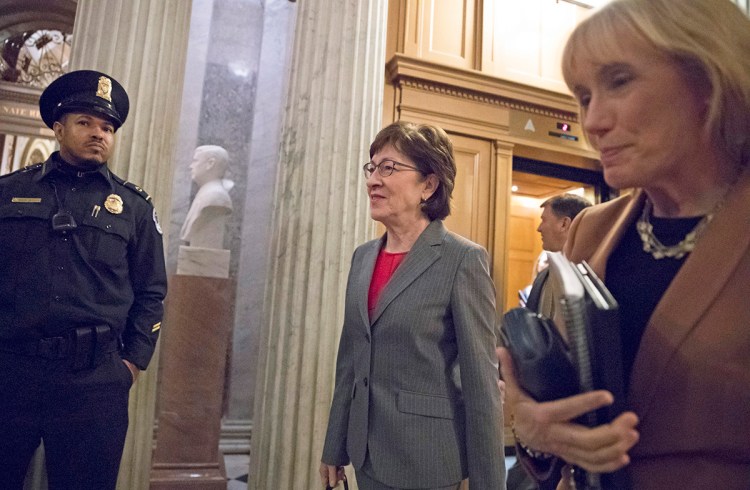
x: 471, y: 207
x: 524, y: 248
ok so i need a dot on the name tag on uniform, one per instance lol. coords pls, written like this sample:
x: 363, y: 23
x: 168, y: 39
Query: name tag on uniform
x: 26, y: 199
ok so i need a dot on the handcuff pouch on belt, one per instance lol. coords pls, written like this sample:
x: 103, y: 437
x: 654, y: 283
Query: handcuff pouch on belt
x: 91, y: 345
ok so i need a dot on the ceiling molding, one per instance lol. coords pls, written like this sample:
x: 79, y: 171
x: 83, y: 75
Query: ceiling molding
x: 479, y: 87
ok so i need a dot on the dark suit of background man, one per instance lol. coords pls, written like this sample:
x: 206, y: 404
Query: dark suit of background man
x: 82, y: 280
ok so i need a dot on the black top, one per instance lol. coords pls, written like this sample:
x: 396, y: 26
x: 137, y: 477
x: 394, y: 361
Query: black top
x: 638, y: 281
x: 108, y: 270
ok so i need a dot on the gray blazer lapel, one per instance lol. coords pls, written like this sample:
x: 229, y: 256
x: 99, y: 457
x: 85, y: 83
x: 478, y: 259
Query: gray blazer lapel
x: 425, y: 251
x: 366, y: 268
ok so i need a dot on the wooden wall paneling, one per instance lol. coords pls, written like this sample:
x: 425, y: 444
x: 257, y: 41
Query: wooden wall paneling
x: 396, y: 30
x: 558, y: 19
x: 443, y: 31
x: 481, y: 87
x: 524, y: 248
x: 452, y: 113
x: 503, y: 181
x: 510, y: 39
x: 523, y: 41
x: 391, y: 95
x: 412, y: 26
x: 471, y: 210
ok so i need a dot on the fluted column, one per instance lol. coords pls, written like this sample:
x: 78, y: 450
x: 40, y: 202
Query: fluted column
x: 320, y: 214
x: 141, y: 43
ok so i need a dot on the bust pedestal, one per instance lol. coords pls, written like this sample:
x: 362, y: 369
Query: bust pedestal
x: 189, y: 404
x: 205, y: 262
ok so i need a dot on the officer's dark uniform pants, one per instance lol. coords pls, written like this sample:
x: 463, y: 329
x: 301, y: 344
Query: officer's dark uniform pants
x: 82, y: 417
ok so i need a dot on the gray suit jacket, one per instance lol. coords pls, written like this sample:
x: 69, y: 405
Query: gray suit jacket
x: 416, y: 386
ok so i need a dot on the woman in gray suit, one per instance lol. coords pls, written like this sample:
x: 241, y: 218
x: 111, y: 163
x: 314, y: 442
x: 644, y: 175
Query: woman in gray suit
x: 416, y: 403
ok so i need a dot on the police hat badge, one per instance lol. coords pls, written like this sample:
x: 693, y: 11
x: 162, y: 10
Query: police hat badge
x: 85, y: 91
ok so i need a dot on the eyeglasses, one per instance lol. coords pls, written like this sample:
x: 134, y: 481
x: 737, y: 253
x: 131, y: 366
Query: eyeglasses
x: 386, y: 168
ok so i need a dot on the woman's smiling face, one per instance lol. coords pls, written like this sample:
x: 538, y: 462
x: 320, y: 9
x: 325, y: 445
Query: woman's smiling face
x: 398, y: 197
x: 640, y: 111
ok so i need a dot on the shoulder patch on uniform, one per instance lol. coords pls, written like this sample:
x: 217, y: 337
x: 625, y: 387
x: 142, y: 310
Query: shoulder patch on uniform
x: 137, y: 189
x: 156, y: 222
x: 30, y: 168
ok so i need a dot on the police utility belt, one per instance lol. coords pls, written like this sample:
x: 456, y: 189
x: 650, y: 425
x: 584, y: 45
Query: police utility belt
x: 86, y: 346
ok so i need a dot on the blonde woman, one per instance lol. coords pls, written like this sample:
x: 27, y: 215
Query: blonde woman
x: 664, y: 90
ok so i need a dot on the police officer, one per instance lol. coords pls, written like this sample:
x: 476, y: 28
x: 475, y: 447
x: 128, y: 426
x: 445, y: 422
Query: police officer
x: 82, y: 280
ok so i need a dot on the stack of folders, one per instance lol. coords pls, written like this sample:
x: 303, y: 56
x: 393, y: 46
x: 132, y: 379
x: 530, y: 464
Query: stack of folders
x: 592, y: 324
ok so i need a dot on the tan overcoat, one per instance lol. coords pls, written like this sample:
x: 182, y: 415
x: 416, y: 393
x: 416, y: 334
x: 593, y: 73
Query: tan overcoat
x: 690, y: 384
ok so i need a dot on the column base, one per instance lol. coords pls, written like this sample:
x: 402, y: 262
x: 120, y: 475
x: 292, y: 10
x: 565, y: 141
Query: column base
x: 176, y: 476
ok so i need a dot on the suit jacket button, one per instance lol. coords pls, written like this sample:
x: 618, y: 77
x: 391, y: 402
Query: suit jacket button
x: 364, y: 381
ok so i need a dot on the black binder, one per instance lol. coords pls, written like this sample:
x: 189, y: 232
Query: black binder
x: 593, y: 328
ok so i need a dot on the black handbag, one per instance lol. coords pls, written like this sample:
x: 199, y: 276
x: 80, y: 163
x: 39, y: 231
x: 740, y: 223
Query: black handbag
x: 547, y: 368
x: 541, y: 359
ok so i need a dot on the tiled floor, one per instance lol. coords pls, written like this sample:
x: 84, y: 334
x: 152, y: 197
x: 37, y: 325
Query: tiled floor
x: 237, y: 467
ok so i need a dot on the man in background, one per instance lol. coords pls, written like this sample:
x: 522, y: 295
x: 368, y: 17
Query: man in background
x: 557, y: 215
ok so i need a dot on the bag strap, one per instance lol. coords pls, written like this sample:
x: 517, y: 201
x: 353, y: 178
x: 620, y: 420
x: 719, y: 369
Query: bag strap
x: 535, y: 294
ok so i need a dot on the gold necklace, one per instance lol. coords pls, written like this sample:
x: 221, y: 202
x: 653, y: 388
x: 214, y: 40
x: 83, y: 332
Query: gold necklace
x: 658, y: 250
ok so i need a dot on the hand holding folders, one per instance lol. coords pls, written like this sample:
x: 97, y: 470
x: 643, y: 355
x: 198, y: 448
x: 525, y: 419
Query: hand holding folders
x: 549, y: 368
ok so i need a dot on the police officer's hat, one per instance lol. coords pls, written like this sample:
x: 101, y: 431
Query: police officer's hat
x: 85, y: 91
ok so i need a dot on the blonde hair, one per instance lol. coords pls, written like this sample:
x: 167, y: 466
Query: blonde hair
x: 708, y: 39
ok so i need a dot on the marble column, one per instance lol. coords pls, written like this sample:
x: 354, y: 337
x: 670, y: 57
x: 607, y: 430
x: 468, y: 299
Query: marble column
x: 141, y: 43
x: 333, y: 111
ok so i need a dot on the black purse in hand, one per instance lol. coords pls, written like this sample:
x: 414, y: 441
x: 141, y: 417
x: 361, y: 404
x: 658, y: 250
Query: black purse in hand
x: 548, y: 368
x: 541, y: 359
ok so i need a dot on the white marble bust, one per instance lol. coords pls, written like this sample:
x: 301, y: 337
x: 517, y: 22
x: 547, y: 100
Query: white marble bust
x: 206, y: 219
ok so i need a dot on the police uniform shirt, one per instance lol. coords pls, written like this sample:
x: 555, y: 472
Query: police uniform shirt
x: 109, y: 270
